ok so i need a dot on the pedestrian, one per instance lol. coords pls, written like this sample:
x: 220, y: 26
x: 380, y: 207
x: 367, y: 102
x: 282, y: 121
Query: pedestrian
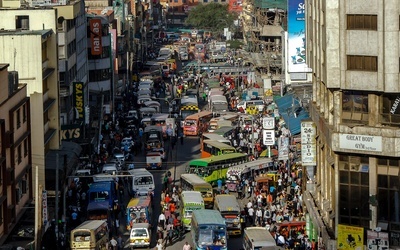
x: 161, y: 220
x: 186, y: 246
x: 250, y: 212
x: 120, y: 242
x: 113, y: 243
x: 159, y: 245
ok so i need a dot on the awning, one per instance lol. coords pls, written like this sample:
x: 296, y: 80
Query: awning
x: 68, y: 155
x: 292, y: 113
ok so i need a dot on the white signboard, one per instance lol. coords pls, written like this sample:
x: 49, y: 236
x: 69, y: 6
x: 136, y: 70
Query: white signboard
x: 308, y: 144
x: 268, y: 122
x: 268, y: 137
x: 360, y: 142
x: 377, y: 240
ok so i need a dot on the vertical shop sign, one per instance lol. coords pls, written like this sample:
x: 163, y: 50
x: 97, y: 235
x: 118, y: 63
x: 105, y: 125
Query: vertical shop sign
x: 308, y: 143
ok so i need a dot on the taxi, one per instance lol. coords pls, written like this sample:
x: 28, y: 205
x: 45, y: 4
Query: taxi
x: 140, y: 235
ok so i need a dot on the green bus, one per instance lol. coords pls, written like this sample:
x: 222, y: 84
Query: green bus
x: 215, y: 167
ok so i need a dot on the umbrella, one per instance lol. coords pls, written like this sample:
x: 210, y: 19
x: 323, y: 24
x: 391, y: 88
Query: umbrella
x: 265, y: 152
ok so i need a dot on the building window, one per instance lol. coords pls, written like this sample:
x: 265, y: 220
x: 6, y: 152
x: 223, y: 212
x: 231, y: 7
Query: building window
x: 44, y: 51
x: 19, y: 153
x: 388, y: 189
x: 362, y: 63
x: 24, y: 113
x: 362, y: 22
x: 18, y: 194
x: 26, y: 149
x: 390, y: 109
x: 354, y: 190
x: 354, y: 107
x: 18, y: 115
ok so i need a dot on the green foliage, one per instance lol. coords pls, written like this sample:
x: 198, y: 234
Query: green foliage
x: 212, y: 16
x: 235, y: 44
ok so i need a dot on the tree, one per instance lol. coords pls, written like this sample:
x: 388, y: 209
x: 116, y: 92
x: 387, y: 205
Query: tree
x: 213, y: 17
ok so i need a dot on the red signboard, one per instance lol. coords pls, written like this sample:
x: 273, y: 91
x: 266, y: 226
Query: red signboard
x: 95, y: 36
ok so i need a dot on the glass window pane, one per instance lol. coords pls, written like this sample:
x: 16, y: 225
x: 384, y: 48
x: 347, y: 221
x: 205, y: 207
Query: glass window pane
x: 354, y: 178
x: 365, y: 179
x: 355, y: 203
x: 383, y: 181
x: 365, y: 202
x: 344, y: 200
x: 344, y: 177
x: 383, y: 208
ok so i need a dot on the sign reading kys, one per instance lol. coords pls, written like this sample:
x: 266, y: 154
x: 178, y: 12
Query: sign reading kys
x: 70, y: 132
x: 95, y: 36
x: 296, y: 36
x: 79, y: 101
x: 308, y: 143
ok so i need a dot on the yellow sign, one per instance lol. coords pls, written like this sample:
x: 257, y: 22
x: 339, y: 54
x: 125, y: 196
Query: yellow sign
x: 350, y: 237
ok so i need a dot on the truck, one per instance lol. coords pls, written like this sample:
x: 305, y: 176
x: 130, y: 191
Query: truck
x: 229, y: 208
x: 218, y: 104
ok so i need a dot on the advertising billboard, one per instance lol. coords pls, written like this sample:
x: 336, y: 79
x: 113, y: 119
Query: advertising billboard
x: 79, y: 101
x: 308, y: 143
x: 350, y: 237
x: 95, y: 37
x: 296, y: 51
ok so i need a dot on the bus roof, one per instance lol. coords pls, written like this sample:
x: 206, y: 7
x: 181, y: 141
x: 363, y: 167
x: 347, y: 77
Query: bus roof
x: 194, y: 179
x: 100, y: 186
x: 187, y: 100
x: 260, y: 236
x: 248, y: 166
x: 192, y: 197
x: 227, y: 203
x: 159, y: 116
x: 206, y: 161
x: 214, y: 137
x: 90, y: 224
x: 142, y: 201
x: 223, y: 130
x: 208, y: 217
x: 218, y: 144
x: 152, y: 127
x: 199, y: 115
x: 140, y: 172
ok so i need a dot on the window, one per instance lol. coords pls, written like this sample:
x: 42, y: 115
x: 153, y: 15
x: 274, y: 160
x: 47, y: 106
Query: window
x: 390, y: 110
x: 24, y: 113
x: 22, y: 22
x: 362, y: 63
x: 25, y: 147
x: 18, y: 116
x: 354, y: 190
x: 354, y: 107
x: 362, y: 22
x: 19, y: 154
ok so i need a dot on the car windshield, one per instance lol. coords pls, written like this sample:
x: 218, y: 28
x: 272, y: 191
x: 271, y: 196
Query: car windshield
x: 139, y: 232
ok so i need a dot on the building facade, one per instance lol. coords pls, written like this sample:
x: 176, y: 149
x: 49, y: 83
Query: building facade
x: 353, y: 50
x: 30, y: 36
x: 15, y: 152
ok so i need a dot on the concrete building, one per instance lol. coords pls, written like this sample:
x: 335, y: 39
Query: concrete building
x: 15, y: 153
x: 353, y: 50
x: 29, y: 35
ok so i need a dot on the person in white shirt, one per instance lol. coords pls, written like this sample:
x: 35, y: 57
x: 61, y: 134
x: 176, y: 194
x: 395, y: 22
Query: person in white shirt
x: 250, y: 212
x: 259, y: 217
x: 161, y: 220
x: 249, y: 205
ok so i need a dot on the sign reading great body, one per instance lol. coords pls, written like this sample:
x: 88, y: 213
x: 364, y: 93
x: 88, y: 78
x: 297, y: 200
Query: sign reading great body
x: 79, y: 101
x: 360, y: 142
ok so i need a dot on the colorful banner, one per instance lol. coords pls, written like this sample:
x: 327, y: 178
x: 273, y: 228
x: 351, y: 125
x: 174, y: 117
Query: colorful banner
x: 79, y: 101
x: 296, y: 36
x: 95, y: 36
x: 377, y: 240
x: 283, y: 148
x: 350, y: 237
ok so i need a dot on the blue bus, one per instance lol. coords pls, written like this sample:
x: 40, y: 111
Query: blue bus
x: 101, y: 192
x: 209, y: 230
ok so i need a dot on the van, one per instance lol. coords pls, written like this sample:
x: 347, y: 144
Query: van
x: 140, y: 235
x: 109, y: 168
x: 243, y: 105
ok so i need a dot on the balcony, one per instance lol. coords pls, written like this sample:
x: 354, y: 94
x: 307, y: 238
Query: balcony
x: 48, y: 103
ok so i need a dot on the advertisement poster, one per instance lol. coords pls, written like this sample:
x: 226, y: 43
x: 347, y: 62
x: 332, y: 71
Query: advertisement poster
x: 308, y: 143
x: 296, y: 36
x: 95, y: 36
x: 350, y: 237
x: 283, y: 148
x: 377, y: 240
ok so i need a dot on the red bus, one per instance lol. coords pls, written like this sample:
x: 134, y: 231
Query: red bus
x: 196, y: 123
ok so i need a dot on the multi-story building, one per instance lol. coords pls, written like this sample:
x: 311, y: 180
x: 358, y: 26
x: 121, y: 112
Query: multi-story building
x: 15, y: 153
x: 29, y: 35
x: 353, y: 50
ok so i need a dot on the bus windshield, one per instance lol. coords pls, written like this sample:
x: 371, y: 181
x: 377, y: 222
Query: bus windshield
x: 102, y: 195
x: 82, y: 236
x: 190, y: 122
x: 144, y: 180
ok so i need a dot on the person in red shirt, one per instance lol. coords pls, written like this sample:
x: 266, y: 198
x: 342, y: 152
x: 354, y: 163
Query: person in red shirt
x: 172, y: 207
x: 167, y: 199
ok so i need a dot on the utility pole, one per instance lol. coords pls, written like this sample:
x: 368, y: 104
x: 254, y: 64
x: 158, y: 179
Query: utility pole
x: 100, y: 120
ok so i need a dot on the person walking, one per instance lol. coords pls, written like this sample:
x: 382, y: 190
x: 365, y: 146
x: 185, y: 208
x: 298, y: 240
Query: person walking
x: 159, y: 245
x: 113, y: 243
x: 186, y: 246
x: 120, y: 242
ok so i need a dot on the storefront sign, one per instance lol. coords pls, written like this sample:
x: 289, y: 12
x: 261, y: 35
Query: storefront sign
x: 268, y: 137
x: 268, y: 122
x: 70, y: 132
x: 360, y: 142
x: 79, y: 101
x: 350, y: 237
x: 308, y: 143
x: 95, y: 36
x: 377, y: 240
x: 283, y: 148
